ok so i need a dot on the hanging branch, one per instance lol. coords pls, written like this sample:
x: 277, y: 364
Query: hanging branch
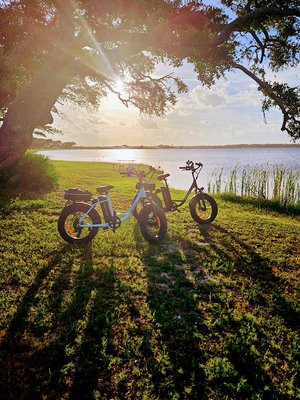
x: 267, y: 89
x: 258, y: 15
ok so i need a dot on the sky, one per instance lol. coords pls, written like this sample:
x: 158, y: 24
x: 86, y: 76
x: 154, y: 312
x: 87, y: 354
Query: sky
x: 228, y: 113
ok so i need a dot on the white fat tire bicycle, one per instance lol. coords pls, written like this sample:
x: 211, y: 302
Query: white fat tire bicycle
x: 79, y: 221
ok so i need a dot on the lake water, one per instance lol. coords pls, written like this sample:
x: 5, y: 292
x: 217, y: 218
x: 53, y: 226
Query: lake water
x: 170, y: 159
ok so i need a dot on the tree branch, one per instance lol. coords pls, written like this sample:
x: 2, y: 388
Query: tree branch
x: 258, y: 15
x: 267, y: 89
x: 124, y: 101
x: 261, y: 45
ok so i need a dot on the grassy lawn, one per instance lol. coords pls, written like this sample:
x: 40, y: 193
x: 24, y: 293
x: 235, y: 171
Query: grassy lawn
x: 210, y: 313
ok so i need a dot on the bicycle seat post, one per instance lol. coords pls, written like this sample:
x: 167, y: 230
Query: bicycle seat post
x: 166, y: 183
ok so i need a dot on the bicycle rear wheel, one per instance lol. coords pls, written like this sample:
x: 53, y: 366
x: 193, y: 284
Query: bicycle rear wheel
x: 68, y: 223
x: 203, y: 208
x: 153, y: 223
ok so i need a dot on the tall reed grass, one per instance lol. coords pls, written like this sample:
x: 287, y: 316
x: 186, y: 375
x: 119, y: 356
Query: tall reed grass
x: 277, y: 183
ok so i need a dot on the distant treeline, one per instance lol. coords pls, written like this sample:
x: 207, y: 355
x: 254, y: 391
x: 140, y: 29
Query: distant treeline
x: 39, y: 143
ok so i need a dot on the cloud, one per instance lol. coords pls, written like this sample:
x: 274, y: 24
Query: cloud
x: 95, y: 120
x: 203, y: 97
x: 229, y: 112
x: 184, y: 113
x: 147, y: 123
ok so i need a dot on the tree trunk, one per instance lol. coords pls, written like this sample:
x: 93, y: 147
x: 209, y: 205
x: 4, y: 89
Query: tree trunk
x: 33, y: 107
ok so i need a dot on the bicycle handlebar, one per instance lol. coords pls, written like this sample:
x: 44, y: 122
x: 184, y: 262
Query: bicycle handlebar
x: 191, y: 166
x: 143, y: 174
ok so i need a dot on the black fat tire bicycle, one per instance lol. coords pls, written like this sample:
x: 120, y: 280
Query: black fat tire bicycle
x: 203, y: 208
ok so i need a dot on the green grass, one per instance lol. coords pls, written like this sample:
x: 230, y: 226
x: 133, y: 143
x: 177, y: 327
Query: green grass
x: 210, y: 313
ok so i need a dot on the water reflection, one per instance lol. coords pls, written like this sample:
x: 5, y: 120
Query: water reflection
x: 170, y: 159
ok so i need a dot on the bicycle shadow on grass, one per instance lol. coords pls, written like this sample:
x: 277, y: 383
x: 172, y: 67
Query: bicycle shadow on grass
x: 260, y: 270
x: 170, y: 273
x: 181, y: 292
x: 236, y: 259
x: 88, y: 328
x: 13, y: 344
x: 42, y: 350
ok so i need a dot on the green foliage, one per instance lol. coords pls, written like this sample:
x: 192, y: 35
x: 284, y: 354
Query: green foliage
x: 46, y: 129
x: 289, y: 97
x: 31, y: 175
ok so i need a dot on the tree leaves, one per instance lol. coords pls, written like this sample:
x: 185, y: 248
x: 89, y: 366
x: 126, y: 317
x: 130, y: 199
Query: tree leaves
x: 125, y: 38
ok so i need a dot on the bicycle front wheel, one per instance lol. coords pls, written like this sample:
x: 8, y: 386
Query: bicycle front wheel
x: 151, y: 198
x: 68, y: 223
x: 153, y: 223
x: 203, y: 208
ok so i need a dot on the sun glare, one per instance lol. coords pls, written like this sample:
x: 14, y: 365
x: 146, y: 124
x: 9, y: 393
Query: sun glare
x: 124, y: 155
x: 120, y: 87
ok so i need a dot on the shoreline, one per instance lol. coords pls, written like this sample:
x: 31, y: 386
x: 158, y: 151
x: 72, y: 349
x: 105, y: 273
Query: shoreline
x: 166, y: 147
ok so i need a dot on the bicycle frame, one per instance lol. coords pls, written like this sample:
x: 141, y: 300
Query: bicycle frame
x: 194, y: 186
x: 124, y: 216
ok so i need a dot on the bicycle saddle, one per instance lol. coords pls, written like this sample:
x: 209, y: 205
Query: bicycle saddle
x: 104, y: 189
x: 163, y: 177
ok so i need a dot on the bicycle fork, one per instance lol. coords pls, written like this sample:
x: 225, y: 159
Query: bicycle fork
x: 202, y: 204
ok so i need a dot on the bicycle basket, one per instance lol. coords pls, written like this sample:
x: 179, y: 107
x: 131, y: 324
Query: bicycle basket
x: 76, y: 194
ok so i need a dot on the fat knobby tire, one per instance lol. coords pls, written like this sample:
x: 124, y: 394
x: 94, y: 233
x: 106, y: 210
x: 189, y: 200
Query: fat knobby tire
x: 196, y: 201
x: 152, y: 214
x: 73, y: 209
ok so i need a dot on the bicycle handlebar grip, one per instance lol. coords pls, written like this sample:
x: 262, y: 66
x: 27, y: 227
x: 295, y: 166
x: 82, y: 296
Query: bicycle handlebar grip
x: 182, y: 167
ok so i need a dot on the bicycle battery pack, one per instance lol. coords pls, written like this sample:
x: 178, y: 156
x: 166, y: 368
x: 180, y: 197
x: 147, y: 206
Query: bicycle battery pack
x: 76, y: 194
x: 105, y: 209
x: 167, y: 198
